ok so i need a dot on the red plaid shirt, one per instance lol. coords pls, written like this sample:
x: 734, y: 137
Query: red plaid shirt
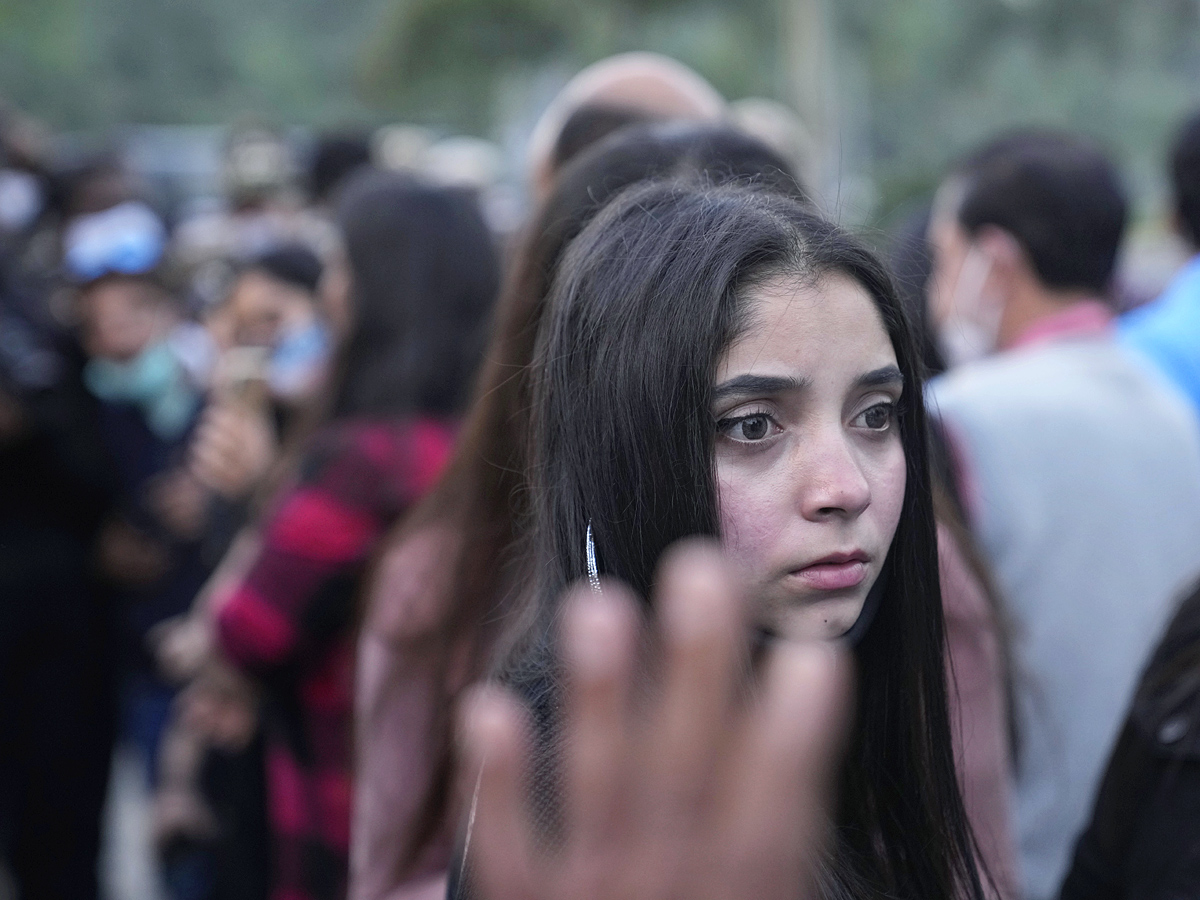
x: 290, y: 625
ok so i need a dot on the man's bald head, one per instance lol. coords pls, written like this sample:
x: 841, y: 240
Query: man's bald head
x: 641, y: 85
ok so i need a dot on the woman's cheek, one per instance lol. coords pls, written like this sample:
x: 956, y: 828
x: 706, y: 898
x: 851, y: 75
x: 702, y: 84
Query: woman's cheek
x: 750, y: 520
x: 888, y: 492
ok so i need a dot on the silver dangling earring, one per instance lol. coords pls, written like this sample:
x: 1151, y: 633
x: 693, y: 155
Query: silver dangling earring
x: 593, y: 569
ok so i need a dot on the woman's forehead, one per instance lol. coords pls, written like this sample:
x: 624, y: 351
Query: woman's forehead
x: 802, y: 325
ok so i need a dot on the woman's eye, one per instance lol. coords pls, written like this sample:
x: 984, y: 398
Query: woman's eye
x: 878, y: 418
x: 747, y: 428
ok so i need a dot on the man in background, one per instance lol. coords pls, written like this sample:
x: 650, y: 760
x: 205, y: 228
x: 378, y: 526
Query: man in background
x: 1079, y: 467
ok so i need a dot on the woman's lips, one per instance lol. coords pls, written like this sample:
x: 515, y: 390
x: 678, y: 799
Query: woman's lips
x: 833, y: 576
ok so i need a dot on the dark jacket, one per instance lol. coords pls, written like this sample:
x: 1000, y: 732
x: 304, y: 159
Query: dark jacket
x: 1143, y: 840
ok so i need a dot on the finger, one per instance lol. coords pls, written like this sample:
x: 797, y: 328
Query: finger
x: 499, y: 843
x: 598, y: 633
x: 783, y: 778
x: 703, y: 637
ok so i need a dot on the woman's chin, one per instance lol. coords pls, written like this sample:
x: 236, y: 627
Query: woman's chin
x: 818, y: 620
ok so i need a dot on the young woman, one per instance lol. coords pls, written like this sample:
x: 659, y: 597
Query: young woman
x: 444, y: 589
x: 722, y: 362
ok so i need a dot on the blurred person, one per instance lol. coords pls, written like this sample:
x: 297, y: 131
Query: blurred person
x: 141, y: 352
x: 634, y: 85
x: 420, y: 278
x: 1079, y: 469
x: 336, y: 155
x: 189, y: 458
x: 57, y: 693
x: 147, y: 368
x: 274, y: 303
x: 209, y: 810
x: 1167, y: 330
x: 261, y: 208
x: 722, y: 362
x: 275, y: 351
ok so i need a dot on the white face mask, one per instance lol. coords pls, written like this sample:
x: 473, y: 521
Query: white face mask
x: 972, y: 329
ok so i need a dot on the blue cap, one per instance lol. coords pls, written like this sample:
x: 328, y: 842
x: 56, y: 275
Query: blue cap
x: 127, y: 239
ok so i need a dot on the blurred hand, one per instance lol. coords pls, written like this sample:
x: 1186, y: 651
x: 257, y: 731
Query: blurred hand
x: 181, y: 645
x: 129, y: 556
x: 233, y: 448
x: 179, y: 811
x: 698, y: 788
x: 181, y: 503
x: 181, y: 815
x: 221, y: 705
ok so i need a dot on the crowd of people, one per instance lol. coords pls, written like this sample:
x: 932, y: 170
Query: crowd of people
x: 678, y: 542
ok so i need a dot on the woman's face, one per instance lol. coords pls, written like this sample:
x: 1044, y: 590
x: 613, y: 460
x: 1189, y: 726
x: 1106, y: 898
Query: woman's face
x: 810, y: 467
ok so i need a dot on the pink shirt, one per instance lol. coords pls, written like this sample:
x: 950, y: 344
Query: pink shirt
x: 978, y: 712
x: 400, y: 707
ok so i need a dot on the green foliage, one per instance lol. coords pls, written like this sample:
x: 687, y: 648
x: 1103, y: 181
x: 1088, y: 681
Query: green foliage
x: 439, y: 61
x: 948, y: 74
x: 89, y: 63
x: 451, y: 61
x: 919, y: 81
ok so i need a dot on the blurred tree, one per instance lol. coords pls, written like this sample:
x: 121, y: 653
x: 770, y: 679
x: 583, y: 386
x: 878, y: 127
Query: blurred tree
x: 450, y: 61
x: 441, y: 60
x: 945, y: 75
x: 87, y: 63
x: 915, y: 82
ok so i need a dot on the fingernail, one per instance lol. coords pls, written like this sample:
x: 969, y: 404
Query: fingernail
x: 694, y: 599
x: 593, y: 638
x: 482, y: 720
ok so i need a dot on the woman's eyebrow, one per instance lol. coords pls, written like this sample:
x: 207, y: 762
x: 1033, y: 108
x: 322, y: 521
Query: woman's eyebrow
x: 886, y: 376
x: 758, y: 385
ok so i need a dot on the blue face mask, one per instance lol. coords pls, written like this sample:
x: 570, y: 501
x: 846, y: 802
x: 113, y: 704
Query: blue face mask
x: 154, y: 381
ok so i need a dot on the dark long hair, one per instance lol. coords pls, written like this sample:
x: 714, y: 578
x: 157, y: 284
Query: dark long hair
x: 482, y: 495
x: 646, y: 300
x: 424, y: 276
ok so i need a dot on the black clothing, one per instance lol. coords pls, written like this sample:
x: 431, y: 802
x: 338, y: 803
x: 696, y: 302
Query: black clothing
x: 57, y: 705
x: 1143, y: 841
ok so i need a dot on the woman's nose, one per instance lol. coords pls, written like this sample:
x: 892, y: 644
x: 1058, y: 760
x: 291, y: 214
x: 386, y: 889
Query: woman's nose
x: 835, y: 483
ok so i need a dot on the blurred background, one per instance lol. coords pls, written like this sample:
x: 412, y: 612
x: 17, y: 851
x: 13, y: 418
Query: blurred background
x: 889, y: 90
